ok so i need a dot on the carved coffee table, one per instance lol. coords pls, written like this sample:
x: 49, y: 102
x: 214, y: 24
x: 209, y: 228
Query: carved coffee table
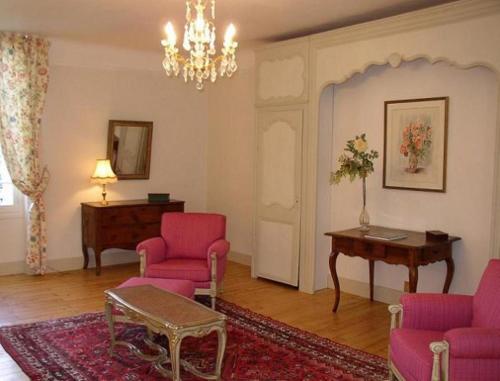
x: 168, y: 314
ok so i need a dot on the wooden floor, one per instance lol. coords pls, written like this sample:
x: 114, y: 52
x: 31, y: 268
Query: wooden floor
x: 359, y: 323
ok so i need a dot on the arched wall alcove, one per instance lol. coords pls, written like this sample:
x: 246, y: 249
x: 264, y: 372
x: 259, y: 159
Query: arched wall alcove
x: 355, y: 104
x: 436, y: 35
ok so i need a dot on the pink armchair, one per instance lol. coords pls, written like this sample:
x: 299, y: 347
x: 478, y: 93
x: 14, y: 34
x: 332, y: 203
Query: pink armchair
x: 192, y: 246
x: 448, y: 337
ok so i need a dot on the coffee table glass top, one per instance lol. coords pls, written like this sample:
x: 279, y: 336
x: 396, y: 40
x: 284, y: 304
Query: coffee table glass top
x: 164, y: 307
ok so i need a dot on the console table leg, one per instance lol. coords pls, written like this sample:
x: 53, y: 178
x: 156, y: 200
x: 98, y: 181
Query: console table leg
x: 413, y: 278
x: 450, y: 270
x: 335, y: 278
x: 98, y: 261
x: 85, y: 251
x: 372, y: 271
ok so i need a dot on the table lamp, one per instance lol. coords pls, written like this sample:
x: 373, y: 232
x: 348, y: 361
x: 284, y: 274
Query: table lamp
x: 103, y: 175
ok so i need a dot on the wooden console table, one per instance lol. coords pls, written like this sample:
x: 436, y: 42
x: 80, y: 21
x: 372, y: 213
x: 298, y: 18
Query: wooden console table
x: 121, y: 224
x: 412, y: 252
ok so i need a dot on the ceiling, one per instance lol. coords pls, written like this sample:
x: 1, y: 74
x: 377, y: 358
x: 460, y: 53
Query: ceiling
x: 138, y: 24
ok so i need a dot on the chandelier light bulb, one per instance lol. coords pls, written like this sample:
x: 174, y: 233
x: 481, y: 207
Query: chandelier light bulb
x: 200, y: 23
x: 200, y: 63
x: 230, y: 33
x: 170, y: 32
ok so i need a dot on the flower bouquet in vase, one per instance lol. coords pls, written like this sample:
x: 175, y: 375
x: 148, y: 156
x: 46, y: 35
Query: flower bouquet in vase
x: 355, y: 162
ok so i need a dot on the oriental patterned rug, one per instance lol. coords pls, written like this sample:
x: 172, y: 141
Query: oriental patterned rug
x: 258, y: 348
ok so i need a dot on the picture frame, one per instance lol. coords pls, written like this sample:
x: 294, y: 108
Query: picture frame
x: 129, y: 148
x: 415, y: 144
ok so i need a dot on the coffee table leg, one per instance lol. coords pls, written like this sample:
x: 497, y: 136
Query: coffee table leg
x: 174, y: 343
x: 222, y: 338
x: 108, y: 307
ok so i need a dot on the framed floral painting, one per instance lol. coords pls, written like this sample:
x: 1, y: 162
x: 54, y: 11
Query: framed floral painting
x: 415, y: 140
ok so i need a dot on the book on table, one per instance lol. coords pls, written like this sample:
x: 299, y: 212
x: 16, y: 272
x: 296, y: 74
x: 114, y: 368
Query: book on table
x: 387, y: 235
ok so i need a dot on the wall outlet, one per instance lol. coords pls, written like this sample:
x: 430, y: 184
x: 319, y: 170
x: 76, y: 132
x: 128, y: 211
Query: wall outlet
x: 406, y: 286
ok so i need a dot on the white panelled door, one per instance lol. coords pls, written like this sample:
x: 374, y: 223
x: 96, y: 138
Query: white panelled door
x: 279, y: 165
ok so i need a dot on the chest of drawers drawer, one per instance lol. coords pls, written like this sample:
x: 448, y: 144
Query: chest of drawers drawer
x: 117, y: 235
x: 135, y: 215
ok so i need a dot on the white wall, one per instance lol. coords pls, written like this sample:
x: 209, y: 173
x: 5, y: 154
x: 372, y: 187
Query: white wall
x: 464, y: 210
x: 13, y: 236
x: 88, y: 86
x: 323, y: 199
x: 231, y: 153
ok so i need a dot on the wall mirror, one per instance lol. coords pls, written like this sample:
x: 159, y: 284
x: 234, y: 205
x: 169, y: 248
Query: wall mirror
x: 129, y: 148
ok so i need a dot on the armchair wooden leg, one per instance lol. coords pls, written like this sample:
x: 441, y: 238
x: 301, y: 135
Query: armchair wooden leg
x: 391, y: 375
x: 396, y: 311
x: 213, y: 279
x: 440, y: 360
x: 142, y: 263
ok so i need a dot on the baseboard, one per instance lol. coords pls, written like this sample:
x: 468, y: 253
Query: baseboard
x: 380, y: 293
x: 244, y: 259
x: 109, y: 258
x: 10, y: 268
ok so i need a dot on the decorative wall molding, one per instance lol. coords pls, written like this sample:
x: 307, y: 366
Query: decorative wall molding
x: 426, y: 18
x: 281, y: 78
x: 282, y: 74
x: 396, y: 59
x: 278, y: 190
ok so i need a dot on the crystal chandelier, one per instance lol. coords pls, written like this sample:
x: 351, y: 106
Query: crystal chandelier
x: 199, y: 42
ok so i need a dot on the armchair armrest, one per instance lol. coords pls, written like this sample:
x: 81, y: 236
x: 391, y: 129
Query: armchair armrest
x: 152, y: 250
x: 474, y: 343
x: 219, y: 248
x: 436, y: 312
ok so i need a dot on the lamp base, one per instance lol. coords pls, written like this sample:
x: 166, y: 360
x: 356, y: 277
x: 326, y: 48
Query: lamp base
x: 104, y: 201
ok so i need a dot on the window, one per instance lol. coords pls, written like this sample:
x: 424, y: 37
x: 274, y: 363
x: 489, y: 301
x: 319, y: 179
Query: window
x: 6, y: 186
x: 11, y: 200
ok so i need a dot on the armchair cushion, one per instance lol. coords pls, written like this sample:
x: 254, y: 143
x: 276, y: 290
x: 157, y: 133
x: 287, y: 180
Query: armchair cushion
x: 220, y: 248
x: 155, y: 250
x: 410, y: 353
x: 195, y: 270
x: 436, y: 312
x: 474, y: 343
x: 189, y: 235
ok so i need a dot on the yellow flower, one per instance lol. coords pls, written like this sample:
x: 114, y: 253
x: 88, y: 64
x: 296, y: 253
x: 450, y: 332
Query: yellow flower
x: 360, y: 145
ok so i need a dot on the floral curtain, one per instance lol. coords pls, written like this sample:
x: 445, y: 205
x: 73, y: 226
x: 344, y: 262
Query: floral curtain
x: 23, y: 85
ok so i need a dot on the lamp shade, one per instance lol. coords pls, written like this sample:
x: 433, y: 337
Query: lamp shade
x: 103, y: 174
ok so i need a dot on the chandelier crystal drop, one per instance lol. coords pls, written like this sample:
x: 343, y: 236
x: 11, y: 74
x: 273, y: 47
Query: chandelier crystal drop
x: 199, y: 41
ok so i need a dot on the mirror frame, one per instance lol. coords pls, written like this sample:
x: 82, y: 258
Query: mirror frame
x: 109, y: 155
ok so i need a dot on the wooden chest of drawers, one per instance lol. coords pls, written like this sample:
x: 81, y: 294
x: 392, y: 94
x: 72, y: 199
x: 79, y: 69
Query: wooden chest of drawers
x: 121, y: 224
